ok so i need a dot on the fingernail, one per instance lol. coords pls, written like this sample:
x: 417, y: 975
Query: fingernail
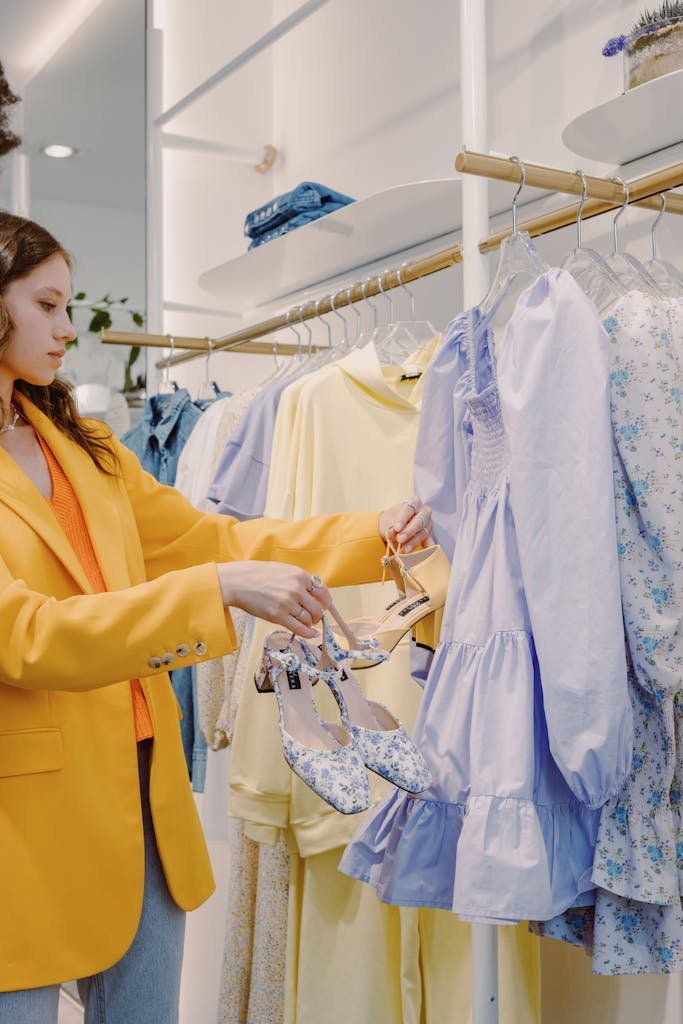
x: 401, y: 537
x: 409, y: 547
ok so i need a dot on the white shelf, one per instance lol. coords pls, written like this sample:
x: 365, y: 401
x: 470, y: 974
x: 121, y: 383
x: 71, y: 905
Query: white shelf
x: 635, y: 124
x: 371, y: 229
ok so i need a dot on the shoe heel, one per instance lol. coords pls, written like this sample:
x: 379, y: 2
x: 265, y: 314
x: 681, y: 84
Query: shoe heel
x: 427, y: 631
x: 262, y: 680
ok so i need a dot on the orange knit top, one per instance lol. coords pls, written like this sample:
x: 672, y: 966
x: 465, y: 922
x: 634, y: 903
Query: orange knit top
x: 69, y: 514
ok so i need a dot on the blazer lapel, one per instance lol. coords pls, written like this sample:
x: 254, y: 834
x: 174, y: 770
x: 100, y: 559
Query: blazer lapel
x: 96, y: 493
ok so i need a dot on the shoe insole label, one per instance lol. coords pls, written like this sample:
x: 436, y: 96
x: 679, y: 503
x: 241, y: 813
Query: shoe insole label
x: 413, y: 605
x: 293, y: 679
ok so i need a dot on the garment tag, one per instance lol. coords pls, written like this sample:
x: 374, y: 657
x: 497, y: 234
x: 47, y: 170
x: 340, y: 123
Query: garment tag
x: 293, y: 679
x: 413, y: 605
x: 412, y: 373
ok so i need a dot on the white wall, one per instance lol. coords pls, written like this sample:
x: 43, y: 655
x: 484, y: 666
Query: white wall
x: 108, y: 244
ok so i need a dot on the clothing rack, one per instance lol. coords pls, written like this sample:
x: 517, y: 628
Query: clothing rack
x: 243, y: 340
x: 602, y: 194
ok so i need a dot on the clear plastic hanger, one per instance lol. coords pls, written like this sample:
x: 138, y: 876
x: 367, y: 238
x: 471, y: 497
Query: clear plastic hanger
x: 519, y: 265
x: 631, y: 273
x: 667, y: 276
x: 588, y: 267
x: 422, y: 330
x: 208, y: 389
x: 168, y: 386
x: 394, y: 344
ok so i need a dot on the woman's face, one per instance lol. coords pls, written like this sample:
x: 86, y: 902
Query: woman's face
x: 37, y: 305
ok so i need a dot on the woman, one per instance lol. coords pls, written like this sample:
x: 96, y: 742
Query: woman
x: 106, y: 580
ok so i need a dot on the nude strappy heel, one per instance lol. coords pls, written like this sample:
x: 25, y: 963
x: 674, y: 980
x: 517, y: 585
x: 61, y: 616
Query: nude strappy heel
x: 421, y: 578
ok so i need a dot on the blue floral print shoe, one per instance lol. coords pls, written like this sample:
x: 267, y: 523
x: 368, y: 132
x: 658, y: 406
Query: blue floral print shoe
x: 382, y: 742
x: 322, y: 754
x: 365, y: 650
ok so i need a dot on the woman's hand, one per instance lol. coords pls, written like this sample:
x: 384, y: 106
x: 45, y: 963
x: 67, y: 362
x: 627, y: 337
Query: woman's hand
x: 280, y: 593
x: 409, y: 524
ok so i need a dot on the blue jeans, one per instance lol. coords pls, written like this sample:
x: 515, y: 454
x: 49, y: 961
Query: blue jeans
x: 144, y: 986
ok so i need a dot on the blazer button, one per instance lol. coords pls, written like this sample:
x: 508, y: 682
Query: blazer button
x: 167, y: 658
x: 154, y: 662
x: 200, y: 647
x: 182, y: 650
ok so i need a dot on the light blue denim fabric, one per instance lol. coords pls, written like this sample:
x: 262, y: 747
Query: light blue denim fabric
x: 184, y: 682
x: 526, y: 721
x: 308, y: 195
x: 158, y: 439
x: 295, y: 222
x: 240, y: 485
x: 144, y: 986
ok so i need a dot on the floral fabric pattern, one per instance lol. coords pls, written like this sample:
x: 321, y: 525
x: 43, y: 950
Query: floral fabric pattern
x: 637, y: 923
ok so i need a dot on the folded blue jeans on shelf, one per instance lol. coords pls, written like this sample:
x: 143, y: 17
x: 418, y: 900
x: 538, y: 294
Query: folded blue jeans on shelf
x: 296, y: 222
x: 307, y: 196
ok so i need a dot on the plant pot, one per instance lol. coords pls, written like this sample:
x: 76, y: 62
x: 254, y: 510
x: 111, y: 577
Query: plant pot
x: 656, y: 50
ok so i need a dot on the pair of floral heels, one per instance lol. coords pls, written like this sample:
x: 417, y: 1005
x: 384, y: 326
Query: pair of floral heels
x: 329, y: 758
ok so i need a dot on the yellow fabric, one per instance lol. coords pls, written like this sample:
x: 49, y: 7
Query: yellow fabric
x: 70, y: 826
x: 344, y: 437
x: 412, y: 966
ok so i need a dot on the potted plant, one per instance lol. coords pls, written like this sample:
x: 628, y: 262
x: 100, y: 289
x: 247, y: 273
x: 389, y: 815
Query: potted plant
x: 101, y: 320
x: 653, y: 47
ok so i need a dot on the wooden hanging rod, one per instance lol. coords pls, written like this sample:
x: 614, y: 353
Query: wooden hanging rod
x: 244, y: 340
x: 602, y: 194
x: 199, y: 346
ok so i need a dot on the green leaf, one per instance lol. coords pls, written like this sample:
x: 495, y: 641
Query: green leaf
x: 137, y: 319
x: 123, y: 300
x: 79, y: 296
x: 72, y: 344
x: 101, y: 321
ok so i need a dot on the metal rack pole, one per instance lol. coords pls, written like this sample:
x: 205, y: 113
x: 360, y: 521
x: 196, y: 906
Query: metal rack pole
x: 475, y: 226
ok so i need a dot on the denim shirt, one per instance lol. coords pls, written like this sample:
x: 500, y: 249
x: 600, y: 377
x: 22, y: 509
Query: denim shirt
x: 295, y: 222
x: 309, y: 195
x: 158, y: 439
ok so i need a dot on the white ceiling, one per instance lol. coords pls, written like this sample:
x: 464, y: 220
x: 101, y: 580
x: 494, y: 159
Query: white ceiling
x: 90, y: 94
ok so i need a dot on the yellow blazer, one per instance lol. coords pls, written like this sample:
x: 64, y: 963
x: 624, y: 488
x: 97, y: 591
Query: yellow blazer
x: 71, y: 842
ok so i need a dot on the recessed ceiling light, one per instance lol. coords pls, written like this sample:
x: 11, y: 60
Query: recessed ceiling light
x: 59, y: 152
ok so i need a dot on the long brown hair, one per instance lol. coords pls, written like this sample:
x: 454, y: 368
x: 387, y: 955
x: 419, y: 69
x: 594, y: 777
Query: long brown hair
x: 24, y: 245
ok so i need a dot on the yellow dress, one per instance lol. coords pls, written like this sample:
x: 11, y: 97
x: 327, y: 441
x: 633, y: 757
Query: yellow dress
x: 345, y: 437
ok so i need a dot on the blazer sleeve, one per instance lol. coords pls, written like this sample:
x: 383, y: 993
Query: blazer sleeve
x: 92, y: 640
x: 554, y: 390
x: 344, y: 549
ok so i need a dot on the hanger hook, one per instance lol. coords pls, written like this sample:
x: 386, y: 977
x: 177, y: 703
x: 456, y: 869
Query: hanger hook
x: 385, y: 296
x: 522, y: 182
x: 321, y: 317
x: 293, y: 328
x: 615, y: 236
x: 407, y: 289
x: 582, y: 203
x: 372, y: 305
x: 304, y: 324
x: 352, y: 306
x: 209, y: 350
x: 337, y: 313
x: 655, y: 224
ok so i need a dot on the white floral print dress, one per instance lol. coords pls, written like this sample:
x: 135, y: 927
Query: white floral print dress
x: 636, y: 925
